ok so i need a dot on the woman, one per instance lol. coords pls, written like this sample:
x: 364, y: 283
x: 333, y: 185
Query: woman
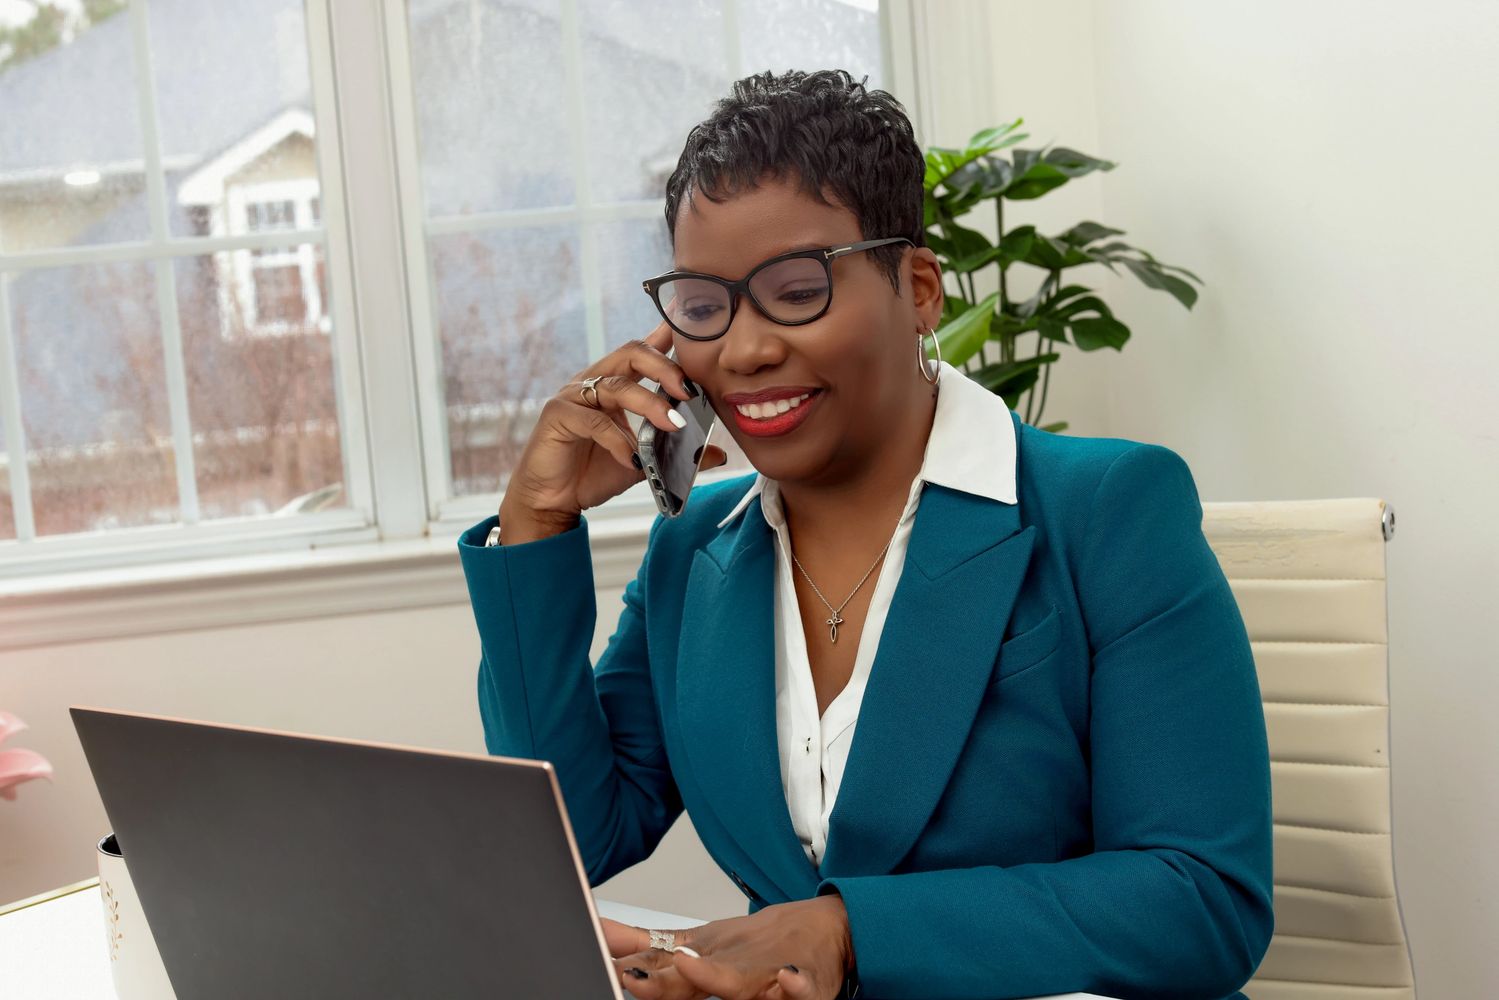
x: 966, y: 709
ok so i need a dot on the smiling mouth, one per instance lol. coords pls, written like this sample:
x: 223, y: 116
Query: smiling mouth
x: 773, y: 408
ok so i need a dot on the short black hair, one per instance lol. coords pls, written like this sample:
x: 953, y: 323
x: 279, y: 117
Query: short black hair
x: 829, y: 131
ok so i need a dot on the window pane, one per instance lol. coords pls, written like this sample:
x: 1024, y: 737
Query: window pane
x: 811, y: 34
x: 675, y: 62
x: 71, y: 154
x: 491, y: 105
x: 278, y: 297
x: 495, y: 121
x: 632, y: 251
x: 510, y: 315
x: 235, y: 104
x: 260, y: 388
x: 93, y: 397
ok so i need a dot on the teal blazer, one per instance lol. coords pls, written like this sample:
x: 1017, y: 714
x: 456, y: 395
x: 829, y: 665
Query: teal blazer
x: 1060, y: 779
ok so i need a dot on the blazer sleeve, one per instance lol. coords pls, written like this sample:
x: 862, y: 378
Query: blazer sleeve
x: 540, y: 698
x: 1176, y: 898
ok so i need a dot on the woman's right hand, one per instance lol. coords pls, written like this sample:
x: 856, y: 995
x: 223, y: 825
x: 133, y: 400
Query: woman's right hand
x: 579, y: 456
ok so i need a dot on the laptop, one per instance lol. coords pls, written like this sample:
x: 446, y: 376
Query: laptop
x: 276, y: 864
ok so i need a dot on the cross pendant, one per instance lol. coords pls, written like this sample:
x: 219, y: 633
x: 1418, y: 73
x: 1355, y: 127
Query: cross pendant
x: 833, y: 624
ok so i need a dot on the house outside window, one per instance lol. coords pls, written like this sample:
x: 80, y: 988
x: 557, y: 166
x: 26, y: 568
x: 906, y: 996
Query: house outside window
x: 279, y: 290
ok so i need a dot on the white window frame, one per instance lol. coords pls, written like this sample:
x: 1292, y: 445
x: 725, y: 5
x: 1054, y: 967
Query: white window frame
x: 27, y: 560
x: 393, y: 546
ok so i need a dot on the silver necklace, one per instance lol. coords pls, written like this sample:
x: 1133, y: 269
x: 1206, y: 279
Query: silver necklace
x: 836, y: 618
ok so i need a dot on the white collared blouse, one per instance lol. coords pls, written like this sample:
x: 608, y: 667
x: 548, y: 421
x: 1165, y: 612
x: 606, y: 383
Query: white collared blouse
x: 971, y: 448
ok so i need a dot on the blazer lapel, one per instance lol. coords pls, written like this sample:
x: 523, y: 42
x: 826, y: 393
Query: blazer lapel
x: 726, y: 698
x: 964, y: 565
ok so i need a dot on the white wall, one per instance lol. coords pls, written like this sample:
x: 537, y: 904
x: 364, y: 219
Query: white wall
x: 1329, y: 170
x: 402, y: 677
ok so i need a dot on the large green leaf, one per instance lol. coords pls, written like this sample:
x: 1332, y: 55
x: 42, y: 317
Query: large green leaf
x: 969, y: 249
x: 939, y: 244
x: 1168, y: 267
x: 975, y: 182
x: 1051, y: 328
x: 1173, y: 267
x: 1151, y: 276
x: 999, y: 137
x: 1088, y: 303
x: 996, y: 374
x: 1005, y: 327
x: 1054, y: 255
x: 1093, y: 332
x: 1036, y: 181
x: 1088, y: 232
x: 1011, y: 379
x: 942, y: 163
x: 961, y: 338
x: 1075, y: 164
x: 953, y: 306
x: 1038, y: 171
x: 930, y: 211
x: 1051, y: 299
x: 1016, y: 245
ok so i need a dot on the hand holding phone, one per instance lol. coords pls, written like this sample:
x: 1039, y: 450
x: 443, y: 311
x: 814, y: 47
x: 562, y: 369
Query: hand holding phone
x: 582, y: 450
x: 672, y: 460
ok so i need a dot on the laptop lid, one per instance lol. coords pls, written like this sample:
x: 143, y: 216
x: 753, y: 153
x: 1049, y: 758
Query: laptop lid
x: 281, y: 864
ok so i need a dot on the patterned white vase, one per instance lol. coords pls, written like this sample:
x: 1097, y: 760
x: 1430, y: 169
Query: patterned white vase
x: 133, y: 959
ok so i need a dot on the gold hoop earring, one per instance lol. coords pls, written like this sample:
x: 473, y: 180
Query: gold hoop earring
x: 932, y: 373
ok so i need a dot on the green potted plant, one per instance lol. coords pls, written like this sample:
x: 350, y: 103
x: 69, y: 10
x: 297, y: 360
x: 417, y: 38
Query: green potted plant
x: 960, y: 181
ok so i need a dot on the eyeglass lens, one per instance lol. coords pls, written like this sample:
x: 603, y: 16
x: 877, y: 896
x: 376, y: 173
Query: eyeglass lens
x: 789, y: 291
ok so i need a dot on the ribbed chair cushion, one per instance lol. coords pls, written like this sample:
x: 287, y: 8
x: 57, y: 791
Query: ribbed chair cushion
x: 1309, y: 577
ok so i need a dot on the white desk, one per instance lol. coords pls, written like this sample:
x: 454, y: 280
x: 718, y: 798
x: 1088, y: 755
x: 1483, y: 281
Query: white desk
x: 52, y: 948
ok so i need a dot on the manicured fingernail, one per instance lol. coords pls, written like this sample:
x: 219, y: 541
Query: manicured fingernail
x: 636, y: 459
x: 638, y: 973
x: 792, y: 968
x: 687, y: 951
x: 691, y: 388
x: 676, y: 418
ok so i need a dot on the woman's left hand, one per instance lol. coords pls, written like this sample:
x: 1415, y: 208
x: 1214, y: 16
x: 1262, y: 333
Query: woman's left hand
x: 789, y: 951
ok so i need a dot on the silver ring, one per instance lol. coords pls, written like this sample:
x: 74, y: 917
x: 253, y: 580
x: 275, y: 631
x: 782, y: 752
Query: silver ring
x: 663, y: 940
x: 590, y: 385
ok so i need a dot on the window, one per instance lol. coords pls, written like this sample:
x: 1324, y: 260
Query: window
x: 180, y: 367
x: 159, y: 217
x: 541, y: 220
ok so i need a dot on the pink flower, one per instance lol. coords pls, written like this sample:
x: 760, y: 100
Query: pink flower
x: 17, y: 766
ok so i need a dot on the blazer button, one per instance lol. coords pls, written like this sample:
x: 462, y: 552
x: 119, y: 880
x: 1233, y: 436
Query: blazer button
x: 743, y: 886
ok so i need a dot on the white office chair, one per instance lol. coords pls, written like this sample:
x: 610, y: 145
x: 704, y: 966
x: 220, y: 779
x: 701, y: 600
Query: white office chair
x: 1309, y: 577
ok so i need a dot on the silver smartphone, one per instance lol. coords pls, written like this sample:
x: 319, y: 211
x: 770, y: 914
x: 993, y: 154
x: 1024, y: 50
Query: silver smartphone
x: 671, y: 459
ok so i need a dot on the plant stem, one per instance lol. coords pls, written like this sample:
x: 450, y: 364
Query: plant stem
x: 1052, y: 278
x: 1056, y: 286
x: 1030, y: 394
x: 999, y: 230
x: 973, y: 299
x: 1045, y: 384
x: 1006, y: 346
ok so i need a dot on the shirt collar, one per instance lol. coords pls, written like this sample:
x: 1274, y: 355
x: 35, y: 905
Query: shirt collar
x: 971, y: 448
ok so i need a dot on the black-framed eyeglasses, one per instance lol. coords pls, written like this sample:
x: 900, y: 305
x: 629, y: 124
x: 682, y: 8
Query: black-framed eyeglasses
x: 791, y: 289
